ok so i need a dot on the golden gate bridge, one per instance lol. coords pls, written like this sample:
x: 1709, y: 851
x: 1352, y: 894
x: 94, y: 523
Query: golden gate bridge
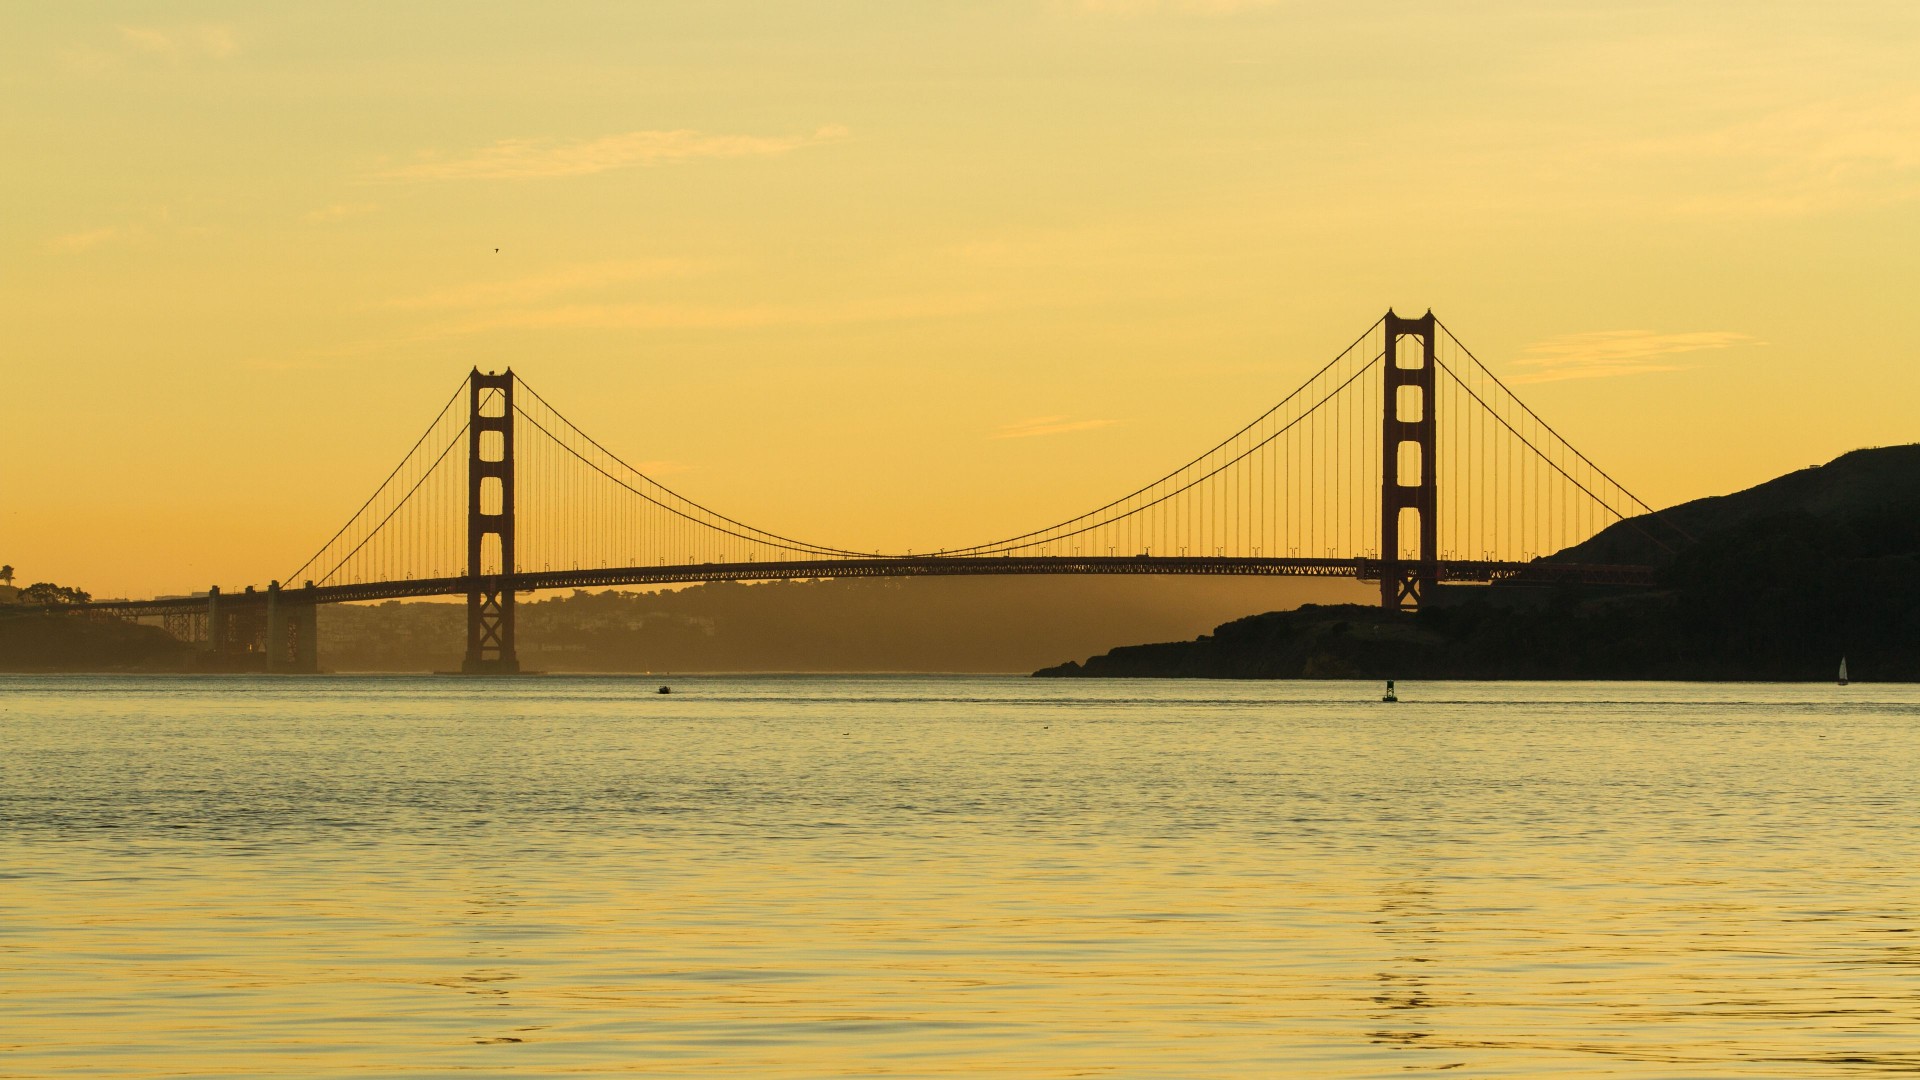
x: 1344, y: 477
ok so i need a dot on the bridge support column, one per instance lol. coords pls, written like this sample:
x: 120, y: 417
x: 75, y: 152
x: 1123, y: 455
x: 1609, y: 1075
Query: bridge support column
x: 1408, y: 488
x: 306, y: 636
x: 490, y: 562
x: 248, y: 632
x: 216, y: 626
x: 274, y: 641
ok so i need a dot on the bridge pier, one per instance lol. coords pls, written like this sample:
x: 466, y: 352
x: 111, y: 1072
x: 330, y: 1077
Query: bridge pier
x: 244, y: 630
x: 306, y: 637
x: 290, y: 639
x: 275, y: 632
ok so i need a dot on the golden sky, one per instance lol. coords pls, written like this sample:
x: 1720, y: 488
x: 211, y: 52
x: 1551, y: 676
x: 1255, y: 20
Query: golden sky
x: 891, y: 275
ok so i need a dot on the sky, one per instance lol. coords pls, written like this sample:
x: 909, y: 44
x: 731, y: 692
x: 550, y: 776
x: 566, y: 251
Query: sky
x: 891, y: 275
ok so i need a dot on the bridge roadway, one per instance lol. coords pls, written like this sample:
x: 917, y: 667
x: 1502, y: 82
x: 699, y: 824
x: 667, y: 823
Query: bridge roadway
x: 1444, y: 571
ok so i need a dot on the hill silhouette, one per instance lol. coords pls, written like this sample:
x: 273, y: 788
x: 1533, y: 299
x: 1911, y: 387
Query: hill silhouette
x: 1777, y: 582
x: 1853, y: 484
x: 69, y: 643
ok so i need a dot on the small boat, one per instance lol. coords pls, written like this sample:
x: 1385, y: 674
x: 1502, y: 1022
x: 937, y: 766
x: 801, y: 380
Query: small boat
x: 664, y: 690
x: 1843, y: 671
x: 1390, y: 695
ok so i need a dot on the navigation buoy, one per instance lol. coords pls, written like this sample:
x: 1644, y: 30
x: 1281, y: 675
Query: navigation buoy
x: 1390, y: 695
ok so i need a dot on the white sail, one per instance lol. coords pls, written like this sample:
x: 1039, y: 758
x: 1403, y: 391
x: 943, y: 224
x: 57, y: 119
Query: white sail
x: 1843, y: 671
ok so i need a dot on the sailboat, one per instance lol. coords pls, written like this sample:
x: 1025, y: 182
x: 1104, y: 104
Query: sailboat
x: 1843, y: 671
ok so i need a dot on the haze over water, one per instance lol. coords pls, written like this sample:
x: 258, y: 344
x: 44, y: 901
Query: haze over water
x: 923, y: 877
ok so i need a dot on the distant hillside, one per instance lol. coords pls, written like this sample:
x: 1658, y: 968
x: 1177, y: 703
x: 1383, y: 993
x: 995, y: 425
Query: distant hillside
x: 1780, y: 582
x: 1856, y: 482
x: 913, y: 624
x: 72, y: 643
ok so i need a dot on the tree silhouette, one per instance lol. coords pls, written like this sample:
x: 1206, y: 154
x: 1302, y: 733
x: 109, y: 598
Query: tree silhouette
x: 6, y: 575
x: 46, y: 593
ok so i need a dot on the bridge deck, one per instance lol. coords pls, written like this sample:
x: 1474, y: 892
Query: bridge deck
x: 1452, y: 570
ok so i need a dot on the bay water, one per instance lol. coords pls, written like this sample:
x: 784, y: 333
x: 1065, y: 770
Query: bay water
x: 903, y: 876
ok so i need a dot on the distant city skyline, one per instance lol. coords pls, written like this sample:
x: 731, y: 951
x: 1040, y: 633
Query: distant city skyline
x: 910, y: 277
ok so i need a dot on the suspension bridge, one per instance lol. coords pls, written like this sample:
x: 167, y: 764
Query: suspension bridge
x: 1344, y: 477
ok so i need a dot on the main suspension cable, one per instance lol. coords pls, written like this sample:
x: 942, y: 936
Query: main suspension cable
x: 1543, y: 456
x: 1222, y: 467
x: 1229, y: 440
x: 1563, y: 441
x: 408, y: 456
x: 782, y: 540
x: 797, y: 546
x: 397, y: 507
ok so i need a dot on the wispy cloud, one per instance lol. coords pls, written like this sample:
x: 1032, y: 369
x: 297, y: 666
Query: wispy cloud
x: 1104, y: 244
x: 1807, y: 158
x: 717, y: 317
x: 177, y: 45
x: 1047, y: 425
x: 518, y: 159
x: 339, y: 212
x: 85, y: 239
x: 214, y: 41
x: 1607, y: 354
x: 1196, y: 7
x: 142, y: 226
x: 533, y: 288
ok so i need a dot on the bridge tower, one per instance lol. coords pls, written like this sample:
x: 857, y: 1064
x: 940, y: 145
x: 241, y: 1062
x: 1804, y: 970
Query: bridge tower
x: 490, y: 564
x: 1409, y: 494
